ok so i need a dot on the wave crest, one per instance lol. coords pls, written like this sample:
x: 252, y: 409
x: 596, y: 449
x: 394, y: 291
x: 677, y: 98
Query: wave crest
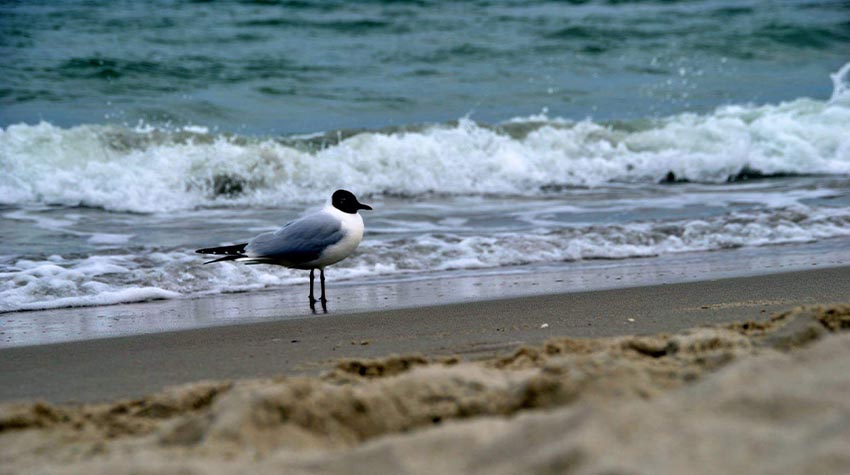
x: 151, y: 170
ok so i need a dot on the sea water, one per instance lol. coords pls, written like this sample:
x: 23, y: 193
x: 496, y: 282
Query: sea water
x: 487, y: 135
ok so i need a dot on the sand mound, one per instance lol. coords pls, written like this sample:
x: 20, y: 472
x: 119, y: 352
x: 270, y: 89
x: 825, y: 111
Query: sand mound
x: 615, y: 405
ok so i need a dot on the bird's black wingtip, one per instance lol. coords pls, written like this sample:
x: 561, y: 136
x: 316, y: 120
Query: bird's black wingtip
x: 223, y: 250
x: 225, y: 258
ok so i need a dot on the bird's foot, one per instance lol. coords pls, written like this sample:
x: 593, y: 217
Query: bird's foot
x: 323, y: 301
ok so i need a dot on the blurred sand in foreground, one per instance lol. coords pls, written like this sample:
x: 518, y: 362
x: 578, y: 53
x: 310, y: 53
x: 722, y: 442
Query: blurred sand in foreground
x: 754, y: 397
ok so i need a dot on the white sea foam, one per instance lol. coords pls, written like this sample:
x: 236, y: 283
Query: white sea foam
x: 150, y: 170
x: 57, y: 281
x: 109, y: 239
x: 105, y: 297
x: 840, y: 85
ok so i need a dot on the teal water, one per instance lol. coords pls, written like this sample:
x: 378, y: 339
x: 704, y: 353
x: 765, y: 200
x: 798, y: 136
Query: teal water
x: 280, y: 67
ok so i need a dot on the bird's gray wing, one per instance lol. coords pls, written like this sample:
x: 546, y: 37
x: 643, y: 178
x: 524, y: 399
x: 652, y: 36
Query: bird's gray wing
x: 299, y: 241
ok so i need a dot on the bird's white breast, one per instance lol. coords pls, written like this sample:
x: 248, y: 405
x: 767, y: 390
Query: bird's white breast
x: 352, y: 230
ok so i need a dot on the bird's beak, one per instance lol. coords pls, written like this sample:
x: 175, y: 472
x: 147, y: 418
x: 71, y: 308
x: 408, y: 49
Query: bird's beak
x: 362, y: 206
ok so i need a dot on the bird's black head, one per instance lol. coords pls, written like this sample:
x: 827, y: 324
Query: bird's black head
x: 346, y: 202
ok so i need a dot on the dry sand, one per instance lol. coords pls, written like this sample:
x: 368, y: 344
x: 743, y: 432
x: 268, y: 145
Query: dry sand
x: 756, y: 397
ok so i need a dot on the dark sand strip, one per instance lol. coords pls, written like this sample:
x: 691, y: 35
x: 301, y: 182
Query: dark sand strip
x: 132, y: 366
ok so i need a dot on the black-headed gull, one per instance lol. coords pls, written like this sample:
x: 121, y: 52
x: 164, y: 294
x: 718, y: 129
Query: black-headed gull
x: 312, y: 242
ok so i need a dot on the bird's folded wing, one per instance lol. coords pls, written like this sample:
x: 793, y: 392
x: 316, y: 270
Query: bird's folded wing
x: 299, y: 241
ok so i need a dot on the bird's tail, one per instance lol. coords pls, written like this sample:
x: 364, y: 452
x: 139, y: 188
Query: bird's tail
x: 230, y: 253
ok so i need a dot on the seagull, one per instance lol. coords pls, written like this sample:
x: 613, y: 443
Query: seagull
x: 312, y: 242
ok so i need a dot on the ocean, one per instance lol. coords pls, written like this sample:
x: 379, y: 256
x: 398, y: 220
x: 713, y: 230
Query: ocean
x: 489, y: 136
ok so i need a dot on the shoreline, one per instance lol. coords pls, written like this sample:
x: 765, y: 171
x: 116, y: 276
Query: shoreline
x: 348, y: 297
x: 131, y: 366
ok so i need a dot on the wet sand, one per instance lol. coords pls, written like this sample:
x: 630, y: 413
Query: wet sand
x: 132, y: 366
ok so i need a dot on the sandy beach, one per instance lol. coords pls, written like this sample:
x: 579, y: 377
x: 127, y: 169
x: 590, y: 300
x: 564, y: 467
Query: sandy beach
x: 131, y: 366
x: 588, y: 237
x: 542, y: 384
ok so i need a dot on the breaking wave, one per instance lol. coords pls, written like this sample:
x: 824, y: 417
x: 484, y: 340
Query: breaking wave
x: 145, y: 169
x: 153, y: 170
